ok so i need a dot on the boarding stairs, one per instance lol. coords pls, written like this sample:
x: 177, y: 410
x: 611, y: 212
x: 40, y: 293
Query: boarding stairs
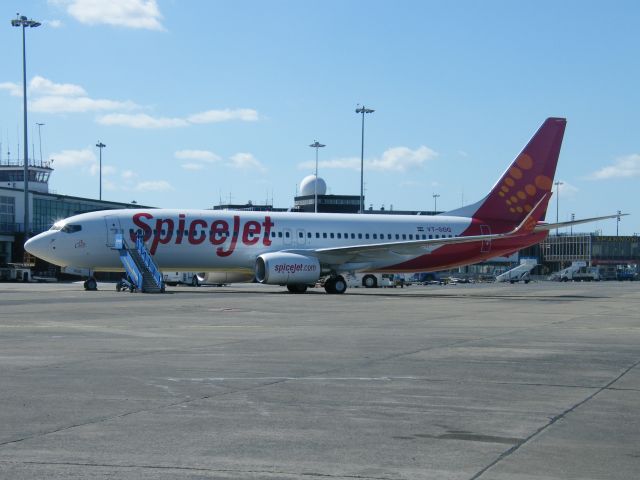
x: 142, y: 271
x: 520, y: 273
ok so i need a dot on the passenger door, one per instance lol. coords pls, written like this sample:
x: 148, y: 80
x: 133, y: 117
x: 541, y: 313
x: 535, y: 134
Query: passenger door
x: 112, y: 222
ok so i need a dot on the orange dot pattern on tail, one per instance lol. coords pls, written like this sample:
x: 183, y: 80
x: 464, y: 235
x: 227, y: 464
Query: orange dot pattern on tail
x: 524, y: 193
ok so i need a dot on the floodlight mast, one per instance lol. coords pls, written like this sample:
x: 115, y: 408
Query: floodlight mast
x: 100, y: 145
x: 362, y: 110
x: 23, y: 22
x: 316, y: 145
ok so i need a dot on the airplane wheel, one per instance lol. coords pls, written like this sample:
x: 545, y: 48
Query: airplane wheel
x: 340, y: 285
x: 297, y: 288
x: 369, y: 281
x: 91, y: 284
x: 118, y: 287
x: 329, y: 285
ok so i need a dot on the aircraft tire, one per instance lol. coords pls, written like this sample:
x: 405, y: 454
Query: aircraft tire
x: 297, y: 288
x: 339, y: 285
x: 369, y: 281
x: 90, y: 284
x: 329, y: 285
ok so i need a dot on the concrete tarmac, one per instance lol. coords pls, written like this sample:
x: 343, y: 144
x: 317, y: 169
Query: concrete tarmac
x: 517, y: 382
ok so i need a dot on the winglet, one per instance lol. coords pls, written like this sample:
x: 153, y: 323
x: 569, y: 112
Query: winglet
x: 528, y: 224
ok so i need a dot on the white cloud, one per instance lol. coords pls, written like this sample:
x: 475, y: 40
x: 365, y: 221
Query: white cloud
x: 14, y: 89
x: 624, y: 167
x: 143, y: 120
x: 154, y: 186
x: 193, y: 166
x: 53, y: 23
x: 199, y: 155
x: 61, y: 104
x: 216, y: 116
x: 129, y: 174
x: 246, y: 161
x: 47, y: 96
x: 43, y: 86
x: 140, y: 120
x: 399, y: 159
x: 566, y: 189
x: 74, y: 158
x: 106, y: 170
x: 143, y: 14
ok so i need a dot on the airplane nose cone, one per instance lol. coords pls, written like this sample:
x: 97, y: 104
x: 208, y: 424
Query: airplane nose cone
x: 40, y: 246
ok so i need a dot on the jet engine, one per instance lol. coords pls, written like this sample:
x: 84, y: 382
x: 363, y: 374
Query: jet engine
x: 282, y: 268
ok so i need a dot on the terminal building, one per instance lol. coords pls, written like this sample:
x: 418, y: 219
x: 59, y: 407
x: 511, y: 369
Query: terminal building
x: 45, y: 208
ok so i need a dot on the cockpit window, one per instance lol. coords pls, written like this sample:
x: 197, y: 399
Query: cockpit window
x: 71, y: 228
x: 56, y: 227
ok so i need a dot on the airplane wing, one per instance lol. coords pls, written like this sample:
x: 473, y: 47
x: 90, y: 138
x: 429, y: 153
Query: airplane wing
x: 413, y: 248
x: 551, y: 226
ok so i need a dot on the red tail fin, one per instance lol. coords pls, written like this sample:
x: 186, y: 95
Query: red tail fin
x: 527, y: 180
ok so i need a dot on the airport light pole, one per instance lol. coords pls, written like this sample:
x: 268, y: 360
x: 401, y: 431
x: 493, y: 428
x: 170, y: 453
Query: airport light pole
x: 316, y: 145
x: 435, y: 202
x: 23, y: 22
x: 100, y: 145
x: 362, y: 110
x: 618, y: 223
x: 557, y: 184
x: 40, y: 140
x: 573, y: 217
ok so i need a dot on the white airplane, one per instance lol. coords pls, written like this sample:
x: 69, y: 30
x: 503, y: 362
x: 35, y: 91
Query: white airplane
x: 297, y: 249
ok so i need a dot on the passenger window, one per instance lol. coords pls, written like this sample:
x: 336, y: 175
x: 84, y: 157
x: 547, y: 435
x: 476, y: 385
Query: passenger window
x: 309, y: 235
x: 339, y: 235
x: 397, y: 236
x: 286, y: 234
x: 353, y: 235
x: 366, y: 235
x: 317, y: 234
x: 324, y: 234
x: 411, y: 236
x: 375, y: 236
x: 360, y: 236
x: 300, y: 235
x: 404, y: 236
x: 331, y: 235
x: 279, y: 234
x: 430, y: 237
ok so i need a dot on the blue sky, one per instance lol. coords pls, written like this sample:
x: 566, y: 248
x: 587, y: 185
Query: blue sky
x: 199, y: 101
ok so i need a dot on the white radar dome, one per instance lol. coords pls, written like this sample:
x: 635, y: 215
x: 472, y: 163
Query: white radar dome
x: 310, y: 183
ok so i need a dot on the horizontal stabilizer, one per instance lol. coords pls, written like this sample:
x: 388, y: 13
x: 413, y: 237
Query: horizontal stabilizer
x: 552, y: 226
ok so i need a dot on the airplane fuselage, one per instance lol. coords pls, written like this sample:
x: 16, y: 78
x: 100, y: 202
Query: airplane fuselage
x: 210, y: 240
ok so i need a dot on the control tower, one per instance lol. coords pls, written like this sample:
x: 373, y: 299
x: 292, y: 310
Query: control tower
x: 12, y: 175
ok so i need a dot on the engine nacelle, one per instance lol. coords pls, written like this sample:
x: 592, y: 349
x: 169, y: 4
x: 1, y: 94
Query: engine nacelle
x: 281, y: 268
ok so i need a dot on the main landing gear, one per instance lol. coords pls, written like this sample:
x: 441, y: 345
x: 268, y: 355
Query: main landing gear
x: 335, y: 284
x: 297, y: 288
x: 91, y: 284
